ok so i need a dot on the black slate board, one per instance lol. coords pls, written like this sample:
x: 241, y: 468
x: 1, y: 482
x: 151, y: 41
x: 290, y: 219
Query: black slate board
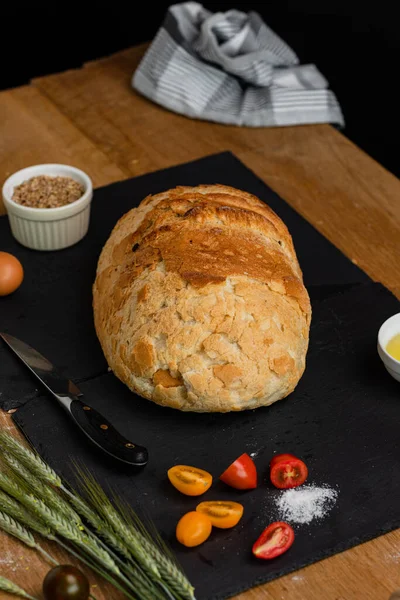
x: 342, y: 418
x: 63, y: 279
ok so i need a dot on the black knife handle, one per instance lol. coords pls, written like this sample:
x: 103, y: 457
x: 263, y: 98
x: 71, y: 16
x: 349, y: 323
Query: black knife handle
x: 104, y: 435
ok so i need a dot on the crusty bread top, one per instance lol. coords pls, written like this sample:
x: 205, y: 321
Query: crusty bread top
x: 205, y: 234
x: 199, y: 302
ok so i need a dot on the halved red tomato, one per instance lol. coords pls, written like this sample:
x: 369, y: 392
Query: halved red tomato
x: 241, y: 474
x: 287, y: 471
x: 274, y: 541
x: 280, y: 457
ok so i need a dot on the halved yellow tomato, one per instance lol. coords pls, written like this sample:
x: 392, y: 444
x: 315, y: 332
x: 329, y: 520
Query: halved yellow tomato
x: 190, y: 480
x: 193, y: 529
x: 223, y: 514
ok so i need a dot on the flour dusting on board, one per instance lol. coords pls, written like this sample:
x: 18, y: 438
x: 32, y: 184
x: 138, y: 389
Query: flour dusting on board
x: 8, y: 560
x: 304, y: 504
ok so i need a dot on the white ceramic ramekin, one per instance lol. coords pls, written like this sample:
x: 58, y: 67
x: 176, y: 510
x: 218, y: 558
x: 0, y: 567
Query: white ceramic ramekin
x: 389, y: 329
x: 48, y: 228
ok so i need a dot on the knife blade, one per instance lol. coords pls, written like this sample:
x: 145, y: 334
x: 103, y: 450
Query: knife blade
x: 96, y: 427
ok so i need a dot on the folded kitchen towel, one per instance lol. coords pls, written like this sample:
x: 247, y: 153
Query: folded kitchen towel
x: 231, y: 68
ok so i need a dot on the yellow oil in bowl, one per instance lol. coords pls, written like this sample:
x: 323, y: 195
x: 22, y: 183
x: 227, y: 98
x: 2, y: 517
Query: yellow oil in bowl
x: 393, y: 347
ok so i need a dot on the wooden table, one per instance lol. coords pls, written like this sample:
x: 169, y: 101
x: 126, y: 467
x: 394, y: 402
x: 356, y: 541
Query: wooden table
x: 92, y: 119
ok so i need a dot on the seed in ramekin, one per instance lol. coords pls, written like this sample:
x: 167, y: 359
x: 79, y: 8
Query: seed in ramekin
x: 45, y: 191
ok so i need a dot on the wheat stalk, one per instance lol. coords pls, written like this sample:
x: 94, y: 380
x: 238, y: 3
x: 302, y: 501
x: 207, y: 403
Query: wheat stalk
x: 146, y: 564
x: 14, y: 528
x: 141, y: 583
x: 88, y: 562
x: 169, y: 569
x: 131, y: 538
x: 57, y: 522
x: 71, y: 532
x: 171, y: 574
x: 31, y: 460
x: 11, y: 487
x: 43, y: 491
x: 11, y: 588
x: 18, y: 512
x: 97, y: 523
x: 138, y: 544
x: 14, y: 489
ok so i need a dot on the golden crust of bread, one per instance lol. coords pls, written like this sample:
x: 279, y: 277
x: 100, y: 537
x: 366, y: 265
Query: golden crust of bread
x: 199, y: 302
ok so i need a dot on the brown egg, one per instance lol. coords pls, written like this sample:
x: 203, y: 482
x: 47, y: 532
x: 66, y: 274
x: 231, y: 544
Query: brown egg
x: 11, y: 273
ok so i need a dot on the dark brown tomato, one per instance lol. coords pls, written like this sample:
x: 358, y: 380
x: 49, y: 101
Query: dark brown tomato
x: 66, y: 582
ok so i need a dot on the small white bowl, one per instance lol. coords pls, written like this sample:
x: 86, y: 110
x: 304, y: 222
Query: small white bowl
x: 48, y: 228
x: 389, y: 329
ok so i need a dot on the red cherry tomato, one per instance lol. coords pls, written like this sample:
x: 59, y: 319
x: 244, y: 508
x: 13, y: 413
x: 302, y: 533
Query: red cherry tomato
x: 279, y: 457
x: 274, y: 540
x: 241, y: 474
x: 287, y: 471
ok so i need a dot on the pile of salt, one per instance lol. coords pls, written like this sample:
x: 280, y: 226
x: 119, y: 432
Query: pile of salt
x: 306, y: 503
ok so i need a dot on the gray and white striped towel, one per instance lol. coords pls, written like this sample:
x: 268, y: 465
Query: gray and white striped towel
x: 231, y: 68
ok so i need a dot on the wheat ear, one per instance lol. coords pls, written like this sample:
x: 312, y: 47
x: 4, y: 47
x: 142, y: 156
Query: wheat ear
x: 31, y: 460
x: 97, y: 523
x: 140, y: 581
x: 171, y: 574
x: 40, y: 489
x: 73, y: 533
x: 131, y: 539
x: 12, y: 588
x: 14, y: 528
x: 57, y: 522
x: 18, y: 512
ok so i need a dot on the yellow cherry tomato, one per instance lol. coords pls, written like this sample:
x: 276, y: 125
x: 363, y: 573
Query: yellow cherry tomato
x: 222, y: 514
x: 189, y: 480
x: 193, y: 529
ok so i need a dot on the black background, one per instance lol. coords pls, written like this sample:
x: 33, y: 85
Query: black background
x: 355, y: 44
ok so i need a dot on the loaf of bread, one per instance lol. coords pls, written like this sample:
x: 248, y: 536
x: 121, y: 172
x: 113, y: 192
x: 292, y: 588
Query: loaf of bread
x: 199, y: 302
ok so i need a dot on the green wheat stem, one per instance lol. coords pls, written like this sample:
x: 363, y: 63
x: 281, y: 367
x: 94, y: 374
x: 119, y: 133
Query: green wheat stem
x: 64, y: 528
x: 133, y: 571
x: 12, y: 588
x: 57, y: 522
x: 19, y: 493
x: 14, y: 528
x: 13, y: 508
x: 172, y: 575
x: 40, y: 489
x: 101, y: 527
x: 31, y: 460
x: 120, y: 532
x: 138, y: 544
x: 104, y: 507
x: 47, y: 556
x: 89, y: 563
x: 131, y: 539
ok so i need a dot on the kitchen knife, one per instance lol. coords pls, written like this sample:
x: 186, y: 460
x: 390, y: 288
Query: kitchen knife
x: 92, y: 423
